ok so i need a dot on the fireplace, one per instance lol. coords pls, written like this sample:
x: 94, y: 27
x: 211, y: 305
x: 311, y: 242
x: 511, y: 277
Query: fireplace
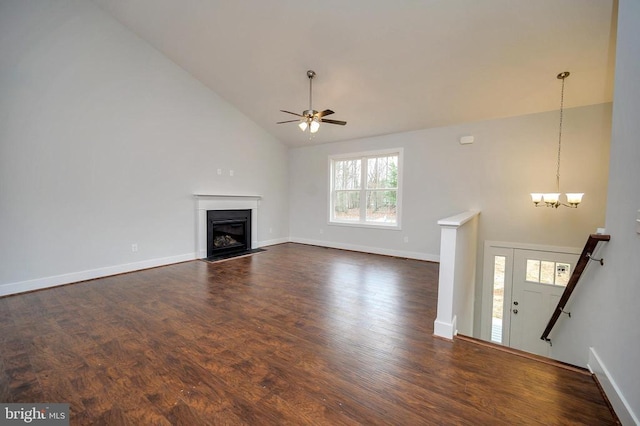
x: 206, y: 202
x: 228, y: 232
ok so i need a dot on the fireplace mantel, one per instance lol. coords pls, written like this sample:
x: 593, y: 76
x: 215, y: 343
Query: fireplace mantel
x: 206, y: 202
x: 223, y: 196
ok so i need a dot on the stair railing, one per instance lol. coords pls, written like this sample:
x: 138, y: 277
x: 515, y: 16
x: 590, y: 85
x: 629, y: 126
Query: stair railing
x: 585, y: 256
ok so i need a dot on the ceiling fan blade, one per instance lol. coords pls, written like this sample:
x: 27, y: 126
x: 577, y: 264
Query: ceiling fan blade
x: 325, y: 112
x: 341, y: 123
x: 288, y: 121
x: 294, y: 113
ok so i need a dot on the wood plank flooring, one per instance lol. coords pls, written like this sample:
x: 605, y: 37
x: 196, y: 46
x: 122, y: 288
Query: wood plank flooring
x: 294, y: 335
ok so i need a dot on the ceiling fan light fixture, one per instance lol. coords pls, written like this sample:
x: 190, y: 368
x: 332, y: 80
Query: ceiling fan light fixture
x: 310, y: 118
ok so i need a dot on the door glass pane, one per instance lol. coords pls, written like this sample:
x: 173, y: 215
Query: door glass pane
x: 547, y: 272
x: 498, y: 298
x: 563, y: 273
x: 533, y: 270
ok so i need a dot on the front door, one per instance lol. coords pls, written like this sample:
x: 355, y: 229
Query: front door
x: 539, y: 280
x: 522, y: 288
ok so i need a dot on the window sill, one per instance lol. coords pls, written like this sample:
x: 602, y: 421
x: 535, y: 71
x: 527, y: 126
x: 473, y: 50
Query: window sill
x: 390, y: 227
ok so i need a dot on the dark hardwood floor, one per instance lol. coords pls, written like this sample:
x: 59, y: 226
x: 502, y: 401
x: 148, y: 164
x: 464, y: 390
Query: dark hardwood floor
x: 294, y: 335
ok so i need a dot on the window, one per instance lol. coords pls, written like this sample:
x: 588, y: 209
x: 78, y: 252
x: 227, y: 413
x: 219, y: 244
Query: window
x: 365, y: 189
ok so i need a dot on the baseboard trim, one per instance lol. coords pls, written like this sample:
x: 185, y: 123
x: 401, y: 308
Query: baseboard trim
x: 368, y: 249
x: 445, y: 330
x: 73, y: 277
x: 273, y: 242
x: 617, y: 400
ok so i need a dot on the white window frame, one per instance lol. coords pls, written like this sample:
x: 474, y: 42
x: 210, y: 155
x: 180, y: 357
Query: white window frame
x: 364, y: 156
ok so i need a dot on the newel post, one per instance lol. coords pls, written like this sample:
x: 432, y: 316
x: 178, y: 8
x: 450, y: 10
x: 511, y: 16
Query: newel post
x: 456, y: 283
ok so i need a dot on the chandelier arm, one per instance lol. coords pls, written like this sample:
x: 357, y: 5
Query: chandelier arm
x: 555, y: 205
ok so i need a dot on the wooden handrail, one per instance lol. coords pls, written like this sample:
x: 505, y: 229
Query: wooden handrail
x: 585, y: 256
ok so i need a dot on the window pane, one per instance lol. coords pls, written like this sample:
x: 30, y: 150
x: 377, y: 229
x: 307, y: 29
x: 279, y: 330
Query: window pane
x: 533, y: 270
x: 382, y: 172
x: 346, y: 205
x: 547, y: 272
x: 498, y: 298
x: 347, y: 174
x: 563, y: 273
x: 381, y: 206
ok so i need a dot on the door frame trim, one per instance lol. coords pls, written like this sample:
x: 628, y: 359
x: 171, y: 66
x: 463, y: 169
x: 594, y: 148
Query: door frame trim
x: 500, y: 248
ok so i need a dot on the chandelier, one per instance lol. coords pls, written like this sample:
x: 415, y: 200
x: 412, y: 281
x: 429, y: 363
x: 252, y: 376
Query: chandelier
x: 552, y: 199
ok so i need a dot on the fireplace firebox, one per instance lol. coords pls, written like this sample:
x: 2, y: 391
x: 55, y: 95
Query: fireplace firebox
x: 228, y: 232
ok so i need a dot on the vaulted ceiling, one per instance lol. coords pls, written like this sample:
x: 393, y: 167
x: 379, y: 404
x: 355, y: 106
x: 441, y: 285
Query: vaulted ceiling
x: 384, y: 66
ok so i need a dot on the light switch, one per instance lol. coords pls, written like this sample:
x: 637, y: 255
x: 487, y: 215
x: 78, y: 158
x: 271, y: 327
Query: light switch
x: 466, y: 140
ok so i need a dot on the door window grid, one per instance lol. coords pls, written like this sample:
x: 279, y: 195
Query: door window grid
x: 548, y: 272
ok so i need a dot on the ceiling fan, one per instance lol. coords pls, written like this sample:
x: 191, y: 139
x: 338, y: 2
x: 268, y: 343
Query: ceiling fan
x: 311, y: 118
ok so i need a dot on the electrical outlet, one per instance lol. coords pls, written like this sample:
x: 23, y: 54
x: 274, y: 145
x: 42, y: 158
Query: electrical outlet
x: 321, y: 231
x: 230, y: 172
x: 271, y: 230
x: 134, y: 248
x: 406, y: 239
x: 219, y: 172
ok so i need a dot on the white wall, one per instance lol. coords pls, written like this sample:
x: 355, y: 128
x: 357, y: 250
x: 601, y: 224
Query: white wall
x: 103, y: 141
x: 605, y: 307
x: 510, y: 158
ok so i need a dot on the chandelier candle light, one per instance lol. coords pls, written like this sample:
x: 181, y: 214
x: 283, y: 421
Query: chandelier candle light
x: 552, y: 199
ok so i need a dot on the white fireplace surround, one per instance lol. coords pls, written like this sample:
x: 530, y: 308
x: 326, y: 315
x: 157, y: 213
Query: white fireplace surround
x: 206, y: 202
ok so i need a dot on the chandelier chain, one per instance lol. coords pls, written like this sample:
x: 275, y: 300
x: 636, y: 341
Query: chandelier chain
x: 560, y: 136
x: 311, y: 86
